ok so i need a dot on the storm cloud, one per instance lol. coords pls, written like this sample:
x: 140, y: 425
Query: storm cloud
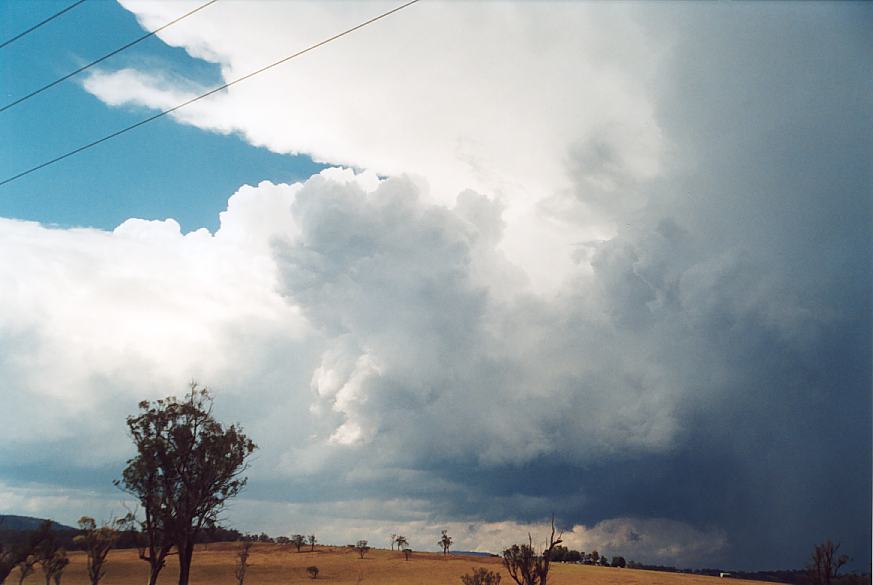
x: 689, y: 383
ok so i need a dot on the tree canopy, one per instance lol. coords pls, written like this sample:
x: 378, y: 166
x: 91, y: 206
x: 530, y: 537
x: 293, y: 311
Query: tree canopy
x: 186, y: 467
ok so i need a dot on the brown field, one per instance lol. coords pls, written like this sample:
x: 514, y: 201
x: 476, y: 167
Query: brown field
x: 274, y: 564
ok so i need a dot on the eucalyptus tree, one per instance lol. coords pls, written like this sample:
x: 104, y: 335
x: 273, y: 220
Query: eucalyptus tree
x: 97, y: 542
x: 445, y: 541
x: 187, y: 466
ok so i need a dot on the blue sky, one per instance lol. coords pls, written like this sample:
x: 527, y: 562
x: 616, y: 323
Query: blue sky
x: 160, y: 170
x: 608, y: 261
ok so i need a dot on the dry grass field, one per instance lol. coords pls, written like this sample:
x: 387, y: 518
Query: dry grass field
x: 274, y: 565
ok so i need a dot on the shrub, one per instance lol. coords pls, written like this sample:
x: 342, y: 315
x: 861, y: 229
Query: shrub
x: 481, y: 576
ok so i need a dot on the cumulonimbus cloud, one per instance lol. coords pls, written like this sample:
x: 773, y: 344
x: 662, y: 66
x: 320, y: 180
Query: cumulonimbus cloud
x: 631, y: 290
x: 490, y: 97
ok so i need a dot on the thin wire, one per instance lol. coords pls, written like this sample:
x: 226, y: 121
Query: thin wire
x: 36, y: 26
x: 208, y: 93
x: 104, y: 57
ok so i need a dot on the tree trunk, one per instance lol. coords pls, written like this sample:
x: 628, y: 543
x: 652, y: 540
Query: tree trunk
x: 186, y: 552
x: 153, y: 574
x: 156, y: 563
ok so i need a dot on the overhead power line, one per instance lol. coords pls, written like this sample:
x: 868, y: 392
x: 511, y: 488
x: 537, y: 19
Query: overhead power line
x: 104, y: 57
x: 39, y: 24
x: 208, y: 93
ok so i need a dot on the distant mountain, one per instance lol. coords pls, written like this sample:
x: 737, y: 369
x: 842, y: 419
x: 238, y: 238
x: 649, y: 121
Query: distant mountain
x: 473, y: 553
x: 13, y: 522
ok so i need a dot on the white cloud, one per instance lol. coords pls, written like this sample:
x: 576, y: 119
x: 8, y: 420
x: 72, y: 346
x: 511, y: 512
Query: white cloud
x: 413, y: 347
x: 651, y: 540
x: 94, y: 321
x: 63, y: 505
x: 494, y: 97
x: 396, y: 286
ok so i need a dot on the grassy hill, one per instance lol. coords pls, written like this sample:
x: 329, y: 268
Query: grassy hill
x: 275, y: 564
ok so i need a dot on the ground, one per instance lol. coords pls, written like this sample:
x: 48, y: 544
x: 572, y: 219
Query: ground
x: 275, y: 564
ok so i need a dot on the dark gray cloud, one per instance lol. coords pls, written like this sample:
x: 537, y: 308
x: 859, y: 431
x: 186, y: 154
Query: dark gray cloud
x: 714, y: 368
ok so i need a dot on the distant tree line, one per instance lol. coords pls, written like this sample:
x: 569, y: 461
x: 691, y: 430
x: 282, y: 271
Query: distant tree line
x: 561, y: 554
x: 823, y: 568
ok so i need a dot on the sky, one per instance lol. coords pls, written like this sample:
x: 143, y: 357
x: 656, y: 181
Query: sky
x: 472, y: 265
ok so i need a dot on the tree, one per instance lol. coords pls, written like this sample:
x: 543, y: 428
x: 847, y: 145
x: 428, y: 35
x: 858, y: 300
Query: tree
x: 186, y: 468
x: 594, y: 556
x: 560, y: 553
x: 152, y: 540
x: 242, y: 561
x: 208, y: 535
x: 481, y: 576
x: 393, y: 541
x: 574, y: 556
x: 407, y: 552
x: 97, y: 542
x: 525, y: 566
x: 26, y: 568
x: 312, y: 540
x: 312, y: 572
x: 283, y: 540
x: 825, y: 564
x: 362, y: 548
x: 445, y: 541
x: 619, y: 562
x: 298, y: 540
x: 12, y: 555
x: 53, y: 564
x: 401, y: 542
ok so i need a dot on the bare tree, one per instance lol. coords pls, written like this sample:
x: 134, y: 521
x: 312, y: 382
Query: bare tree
x: 481, y: 576
x: 312, y: 540
x: 97, y: 543
x: 445, y: 541
x: 525, y: 566
x: 362, y: 548
x: 242, y: 561
x: 186, y: 468
x: 393, y: 541
x: 825, y: 564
